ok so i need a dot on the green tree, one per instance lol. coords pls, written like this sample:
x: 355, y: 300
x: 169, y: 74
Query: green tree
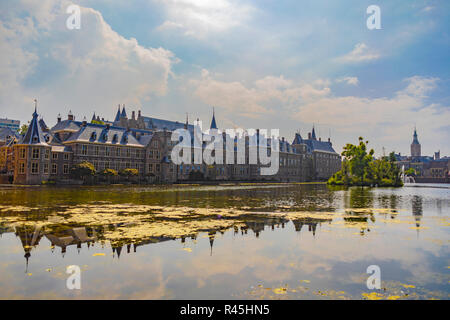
x: 23, y: 129
x: 129, y: 172
x: 83, y: 170
x: 360, y: 168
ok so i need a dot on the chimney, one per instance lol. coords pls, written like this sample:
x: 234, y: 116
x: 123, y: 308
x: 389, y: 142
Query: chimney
x: 320, y: 139
x: 139, y: 114
x: 309, y: 135
x: 282, y: 139
x: 84, y: 121
x: 133, y: 115
x: 70, y: 116
x: 59, y: 118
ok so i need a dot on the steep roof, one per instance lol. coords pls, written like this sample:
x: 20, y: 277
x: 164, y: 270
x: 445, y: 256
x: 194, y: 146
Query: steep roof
x: 298, y: 139
x: 316, y: 145
x: 67, y: 125
x: 117, y: 118
x: 154, y: 123
x: 8, y: 133
x: 213, y: 122
x: 96, y: 133
x: 34, y: 133
x: 313, y: 134
x: 415, y: 139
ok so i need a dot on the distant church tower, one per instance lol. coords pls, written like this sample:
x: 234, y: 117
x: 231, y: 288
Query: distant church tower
x: 415, y: 146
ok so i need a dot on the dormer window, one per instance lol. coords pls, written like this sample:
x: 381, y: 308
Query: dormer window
x: 125, y: 139
x: 94, y: 135
x: 114, y: 138
x: 35, y: 139
x: 105, y: 136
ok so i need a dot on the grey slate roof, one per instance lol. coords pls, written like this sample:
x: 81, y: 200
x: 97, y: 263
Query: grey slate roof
x: 34, y: 133
x: 96, y: 133
x: 316, y: 145
x: 67, y: 125
x: 154, y: 123
x: 8, y: 133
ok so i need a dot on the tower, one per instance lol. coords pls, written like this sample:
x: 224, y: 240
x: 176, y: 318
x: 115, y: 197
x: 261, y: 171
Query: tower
x: 415, y: 146
x: 213, y: 121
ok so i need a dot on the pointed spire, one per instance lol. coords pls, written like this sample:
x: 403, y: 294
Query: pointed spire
x: 34, y: 134
x: 213, y: 121
x: 117, y: 118
x: 124, y: 113
x: 93, y: 117
x: 313, y: 134
x: 415, y: 139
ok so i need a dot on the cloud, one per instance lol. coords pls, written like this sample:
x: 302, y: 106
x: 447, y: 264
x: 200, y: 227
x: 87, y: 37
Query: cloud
x: 361, y: 53
x: 265, y: 96
x: 86, y: 70
x: 386, y: 120
x: 198, y: 18
x: 348, y: 80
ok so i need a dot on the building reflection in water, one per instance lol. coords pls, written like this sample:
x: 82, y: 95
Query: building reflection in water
x: 62, y: 237
x: 417, y: 210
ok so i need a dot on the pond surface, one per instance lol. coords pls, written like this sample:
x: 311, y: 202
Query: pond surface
x: 283, y: 241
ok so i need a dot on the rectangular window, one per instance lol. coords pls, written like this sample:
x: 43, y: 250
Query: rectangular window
x: 150, y: 167
x: 66, y: 156
x: 34, y: 167
x: 107, y: 151
x: 84, y: 150
x: 66, y: 169
x: 22, y: 153
x: 47, y: 154
x: 55, y: 156
x: 158, y: 168
x: 35, y: 154
x: 150, y: 154
x: 22, y: 168
x: 54, y: 168
x: 96, y: 150
x: 118, y: 152
x: 45, y: 168
x: 128, y: 153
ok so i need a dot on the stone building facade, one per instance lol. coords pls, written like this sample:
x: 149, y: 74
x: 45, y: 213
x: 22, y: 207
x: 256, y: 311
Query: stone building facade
x: 144, y: 144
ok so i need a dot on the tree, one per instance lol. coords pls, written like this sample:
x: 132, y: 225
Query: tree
x: 129, y: 172
x: 109, y: 173
x: 23, y: 129
x: 411, y: 172
x: 358, y: 158
x: 360, y: 168
x: 83, y: 170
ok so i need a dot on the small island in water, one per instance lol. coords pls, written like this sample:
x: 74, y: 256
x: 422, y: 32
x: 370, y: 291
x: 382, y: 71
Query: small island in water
x: 360, y: 168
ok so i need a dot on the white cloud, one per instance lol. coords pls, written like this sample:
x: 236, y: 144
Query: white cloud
x: 385, y: 120
x: 266, y: 95
x: 348, y: 80
x: 86, y: 70
x: 360, y: 53
x: 200, y: 17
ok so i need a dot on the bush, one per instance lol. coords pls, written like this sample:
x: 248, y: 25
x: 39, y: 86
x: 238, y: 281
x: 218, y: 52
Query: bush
x: 83, y: 170
x: 129, y: 172
x: 109, y: 173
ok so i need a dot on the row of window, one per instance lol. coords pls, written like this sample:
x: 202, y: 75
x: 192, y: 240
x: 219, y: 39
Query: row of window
x: 36, y: 154
x: 45, y: 168
x: 110, y: 151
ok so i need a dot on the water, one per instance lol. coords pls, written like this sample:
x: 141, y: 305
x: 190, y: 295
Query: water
x: 284, y: 241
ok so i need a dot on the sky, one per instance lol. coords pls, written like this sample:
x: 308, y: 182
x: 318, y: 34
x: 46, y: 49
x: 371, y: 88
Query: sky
x: 269, y: 64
